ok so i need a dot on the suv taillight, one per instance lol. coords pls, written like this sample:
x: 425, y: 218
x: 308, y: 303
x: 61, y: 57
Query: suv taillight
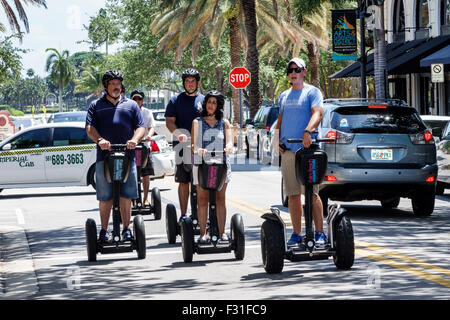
x: 154, y: 146
x: 339, y: 137
x: 425, y: 137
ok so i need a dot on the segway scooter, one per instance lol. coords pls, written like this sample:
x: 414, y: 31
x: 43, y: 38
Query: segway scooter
x: 211, y: 176
x: 310, y: 168
x: 117, y: 169
x: 138, y: 207
x: 173, y: 228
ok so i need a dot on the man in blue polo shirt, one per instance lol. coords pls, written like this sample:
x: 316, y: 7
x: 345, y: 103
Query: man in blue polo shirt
x: 181, y: 110
x: 114, y: 119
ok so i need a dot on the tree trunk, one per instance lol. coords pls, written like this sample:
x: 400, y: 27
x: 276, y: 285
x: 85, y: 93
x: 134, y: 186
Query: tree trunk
x: 60, y: 96
x: 313, y: 55
x: 235, y: 54
x: 252, y: 55
x: 380, y: 58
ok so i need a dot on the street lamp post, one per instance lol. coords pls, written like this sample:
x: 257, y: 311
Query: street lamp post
x: 363, y: 59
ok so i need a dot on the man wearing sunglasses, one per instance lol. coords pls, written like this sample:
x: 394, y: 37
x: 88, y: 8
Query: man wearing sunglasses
x: 299, y: 116
x: 147, y: 116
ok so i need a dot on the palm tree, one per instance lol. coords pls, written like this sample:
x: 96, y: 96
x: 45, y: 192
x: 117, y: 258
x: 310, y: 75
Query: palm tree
x: 380, y: 54
x: 61, y: 71
x: 12, y: 18
x: 90, y: 79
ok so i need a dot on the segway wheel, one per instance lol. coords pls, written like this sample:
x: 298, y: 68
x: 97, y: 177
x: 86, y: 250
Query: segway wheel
x: 139, y: 234
x: 91, y: 240
x: 187, y: 240
x: 171, y: 223
x: 156, y: 201
x: 345, y: 245
x: 272, y: 246
x: 238, y: 236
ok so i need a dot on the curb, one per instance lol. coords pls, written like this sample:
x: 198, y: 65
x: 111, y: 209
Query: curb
x: 18, y: 276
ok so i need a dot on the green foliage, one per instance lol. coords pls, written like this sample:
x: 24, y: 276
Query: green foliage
x: 103, y: 29
x: 12, y: 111
x: 10, y: 64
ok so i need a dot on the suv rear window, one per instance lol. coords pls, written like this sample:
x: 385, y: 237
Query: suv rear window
x: 377, y: 120
x: 273, y: 115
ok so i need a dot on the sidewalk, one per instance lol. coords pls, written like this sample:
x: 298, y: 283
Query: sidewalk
x: 17, y: 274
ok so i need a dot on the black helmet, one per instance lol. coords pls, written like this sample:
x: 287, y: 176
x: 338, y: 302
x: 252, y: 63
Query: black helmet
x: 190, y: 72
x: 219, y: 96
x: 111, y: 75
x: 137, y: 93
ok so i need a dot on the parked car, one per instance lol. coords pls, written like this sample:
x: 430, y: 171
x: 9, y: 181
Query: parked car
x: 62, y: 154
x: 443, y: 159
x: 435, y: 123
x: 160, y: 124
x: 258, y: 128
x: 67, y: 116
x: 382, y: 150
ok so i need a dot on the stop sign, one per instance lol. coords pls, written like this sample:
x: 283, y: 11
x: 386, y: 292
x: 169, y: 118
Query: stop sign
x: 239, y: 77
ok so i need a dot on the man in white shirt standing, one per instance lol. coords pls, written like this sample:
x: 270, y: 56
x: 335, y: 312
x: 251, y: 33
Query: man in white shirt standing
x: 147, y: 116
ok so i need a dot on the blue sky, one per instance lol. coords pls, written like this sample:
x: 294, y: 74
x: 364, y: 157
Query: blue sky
x: 59, y: 26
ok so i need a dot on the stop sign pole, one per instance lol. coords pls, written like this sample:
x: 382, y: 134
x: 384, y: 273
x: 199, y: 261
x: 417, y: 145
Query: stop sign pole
x: 239, y: 78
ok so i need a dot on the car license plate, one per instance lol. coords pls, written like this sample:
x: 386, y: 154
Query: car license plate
x: 381, y: 154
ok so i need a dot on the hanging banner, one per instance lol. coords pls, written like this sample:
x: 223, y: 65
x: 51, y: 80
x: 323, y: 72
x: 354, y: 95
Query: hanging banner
x: 344, y: 34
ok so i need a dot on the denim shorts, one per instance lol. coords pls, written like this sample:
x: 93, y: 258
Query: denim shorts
x: 104, y: 189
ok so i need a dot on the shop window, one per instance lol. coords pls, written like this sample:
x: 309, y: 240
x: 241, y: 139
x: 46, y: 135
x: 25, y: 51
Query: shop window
x: 422, y: 19
x: 399, y: 21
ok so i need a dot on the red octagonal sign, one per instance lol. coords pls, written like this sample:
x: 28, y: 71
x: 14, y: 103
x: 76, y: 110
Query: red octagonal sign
x: 239, y: 77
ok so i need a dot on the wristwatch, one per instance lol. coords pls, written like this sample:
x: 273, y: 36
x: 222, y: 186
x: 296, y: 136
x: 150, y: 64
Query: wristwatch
x: 99, y: 139
x: 307, y: 131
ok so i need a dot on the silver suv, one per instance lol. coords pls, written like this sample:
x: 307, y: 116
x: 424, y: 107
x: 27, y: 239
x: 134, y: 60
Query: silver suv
x: 382, y: 151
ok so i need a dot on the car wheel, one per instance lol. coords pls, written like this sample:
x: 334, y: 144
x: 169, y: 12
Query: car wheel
x: 440, y: 189
x: 423, y: 203
x: 391, y: 203
x: 344, y: 255
x: 272, y: 246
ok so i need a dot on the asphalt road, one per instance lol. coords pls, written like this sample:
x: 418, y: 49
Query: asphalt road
x: 398, y: 255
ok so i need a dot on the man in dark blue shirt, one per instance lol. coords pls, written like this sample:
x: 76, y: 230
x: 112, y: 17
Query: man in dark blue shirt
x: 181, y: 110
x: 114, y: 119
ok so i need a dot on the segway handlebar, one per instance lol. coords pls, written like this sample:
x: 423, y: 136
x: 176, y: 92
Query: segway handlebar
x: 121, y: 146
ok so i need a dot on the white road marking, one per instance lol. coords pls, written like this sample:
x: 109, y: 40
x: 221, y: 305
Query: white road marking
x: 20, y: 217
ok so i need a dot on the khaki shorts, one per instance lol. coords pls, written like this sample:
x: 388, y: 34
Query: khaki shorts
x: 291, y: 185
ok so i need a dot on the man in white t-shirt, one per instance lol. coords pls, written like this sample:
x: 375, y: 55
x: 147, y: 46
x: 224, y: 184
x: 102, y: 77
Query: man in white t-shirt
x: 147, y: 116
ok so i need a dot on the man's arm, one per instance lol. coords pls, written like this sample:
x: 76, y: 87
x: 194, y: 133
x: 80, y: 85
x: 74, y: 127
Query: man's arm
x: 314, y: 122
x: 137, y: 137
x: 170, y: 124
x: 95, y: 136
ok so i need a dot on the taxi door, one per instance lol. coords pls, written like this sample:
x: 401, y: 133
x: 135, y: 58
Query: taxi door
x: 22, y: 160
x: 69, y: 156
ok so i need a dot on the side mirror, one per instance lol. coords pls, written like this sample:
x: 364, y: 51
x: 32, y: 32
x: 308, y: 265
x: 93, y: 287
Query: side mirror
x: 7, y: 146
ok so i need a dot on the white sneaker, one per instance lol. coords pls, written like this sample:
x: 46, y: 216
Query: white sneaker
x: 224, y: 238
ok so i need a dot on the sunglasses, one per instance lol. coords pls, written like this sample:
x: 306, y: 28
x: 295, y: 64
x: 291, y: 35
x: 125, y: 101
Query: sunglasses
x: 297, y: 70
x: 137, y: 98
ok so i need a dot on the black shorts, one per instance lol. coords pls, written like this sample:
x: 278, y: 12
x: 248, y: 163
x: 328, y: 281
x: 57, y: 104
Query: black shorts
x: 148, y: 169
x: 183, y: 174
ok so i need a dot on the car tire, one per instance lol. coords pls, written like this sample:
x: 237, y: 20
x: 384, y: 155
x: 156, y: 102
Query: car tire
x: 344, y: 256
x: 391, y: 203
x: 272, y: 246
x: 91, y: 177
x: 440, y: 188
x: 156, y: 201
x: 139, y: 234
x: 91, y: 239
x: 423, y: 203
x: 238, y: 236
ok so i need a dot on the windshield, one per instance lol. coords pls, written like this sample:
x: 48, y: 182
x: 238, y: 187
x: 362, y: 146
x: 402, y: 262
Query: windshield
x: 379, y: 120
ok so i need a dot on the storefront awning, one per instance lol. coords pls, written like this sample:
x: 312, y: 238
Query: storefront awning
x: 402, y: 58
x: 440, y: 56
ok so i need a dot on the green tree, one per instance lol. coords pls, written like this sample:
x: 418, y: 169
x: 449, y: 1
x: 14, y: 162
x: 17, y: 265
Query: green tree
x: 90, y: 80
x: 10, y: 61
x: 103, y: 29
x: 12, y: 17
x: 61, y: 71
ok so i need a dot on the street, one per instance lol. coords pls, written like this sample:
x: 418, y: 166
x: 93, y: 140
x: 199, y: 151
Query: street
x: 398, y: 255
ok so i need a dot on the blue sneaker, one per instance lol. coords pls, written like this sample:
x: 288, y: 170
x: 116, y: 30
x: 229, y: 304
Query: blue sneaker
x: 295, y: 239
x: 104, y: 236
x: 320, y: 238
x: 126, y: 235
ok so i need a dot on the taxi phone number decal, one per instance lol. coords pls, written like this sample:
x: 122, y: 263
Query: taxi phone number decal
x: 68, y: 159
